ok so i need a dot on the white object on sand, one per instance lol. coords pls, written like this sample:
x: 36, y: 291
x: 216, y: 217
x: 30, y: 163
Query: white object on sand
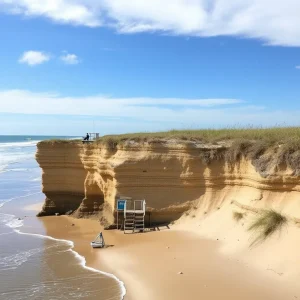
x: 98, y: 242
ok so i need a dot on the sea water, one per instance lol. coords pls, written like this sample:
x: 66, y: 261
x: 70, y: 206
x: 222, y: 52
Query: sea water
x: 33, y: 265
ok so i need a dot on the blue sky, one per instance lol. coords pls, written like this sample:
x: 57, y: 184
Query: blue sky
x: 68, y: 67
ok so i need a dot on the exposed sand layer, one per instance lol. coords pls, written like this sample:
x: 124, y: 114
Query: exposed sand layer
x: 149, y: 264
x: 172, y: 176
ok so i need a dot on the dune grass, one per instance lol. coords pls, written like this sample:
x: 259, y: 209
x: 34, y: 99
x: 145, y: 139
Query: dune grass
x: 271, y: 135
x: 266, y: 224
x: 265, y: 147
x: 237, y: 216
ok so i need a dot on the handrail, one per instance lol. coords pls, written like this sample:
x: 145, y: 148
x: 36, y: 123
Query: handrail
x: 135, y: 205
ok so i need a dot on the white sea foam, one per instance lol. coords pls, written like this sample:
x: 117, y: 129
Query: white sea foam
x: 13, y: 261
x: 16, y: 260
x: 15, y: 223
x: 80, y: 258
x: 11, y: 221
x: 24, y: 196
x: 18, y: 144
x: 10, y: 157
x: 11, y: 153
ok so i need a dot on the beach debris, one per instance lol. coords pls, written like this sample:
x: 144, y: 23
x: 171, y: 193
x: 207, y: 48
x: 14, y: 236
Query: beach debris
x: 180, y: 273
x: 57, y: 214
x: 69, y: 212
x: 168, y: 247
x: 99, y: 241
x: 73, y: 224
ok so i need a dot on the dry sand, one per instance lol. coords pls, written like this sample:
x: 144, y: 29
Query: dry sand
x: 149, y: 264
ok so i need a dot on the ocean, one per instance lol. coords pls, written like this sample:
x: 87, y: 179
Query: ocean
x: 33, y: 265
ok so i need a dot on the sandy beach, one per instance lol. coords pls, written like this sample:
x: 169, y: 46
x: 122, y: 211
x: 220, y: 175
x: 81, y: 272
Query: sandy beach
x: 149, y: 264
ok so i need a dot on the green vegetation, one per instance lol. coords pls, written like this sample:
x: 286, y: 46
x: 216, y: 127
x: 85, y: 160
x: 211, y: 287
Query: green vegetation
x: 265, y: 147
x: 269, y: 135
x: 268, y: 222
x: 60, y: 141
x: 110, y: 142
x: 238, y: 215
x: 275, y: 134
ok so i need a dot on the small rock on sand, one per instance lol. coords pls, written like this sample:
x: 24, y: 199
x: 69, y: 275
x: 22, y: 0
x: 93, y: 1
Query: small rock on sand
x: 73, y: 224
x: 180, y: 273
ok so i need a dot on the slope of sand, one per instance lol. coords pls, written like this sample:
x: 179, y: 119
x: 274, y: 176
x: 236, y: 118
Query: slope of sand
x: 149, y: 263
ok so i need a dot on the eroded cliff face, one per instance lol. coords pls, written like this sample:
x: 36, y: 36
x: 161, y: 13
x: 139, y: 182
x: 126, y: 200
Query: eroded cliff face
x: 173, y: 177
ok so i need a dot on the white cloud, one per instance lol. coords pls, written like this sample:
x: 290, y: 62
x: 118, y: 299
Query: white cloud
x: 297, y: 67
x: 136, y: 114
x: 273, y: 22
x: 26, y: 102
x: 70, y: 59
x: 62, y: 11
x: 33, y: 58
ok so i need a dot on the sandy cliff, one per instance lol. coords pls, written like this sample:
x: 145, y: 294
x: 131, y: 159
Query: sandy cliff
x: 173, y: 176
x: 201, y: 186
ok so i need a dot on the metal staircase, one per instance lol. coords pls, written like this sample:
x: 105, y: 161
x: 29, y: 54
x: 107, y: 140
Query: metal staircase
x: 134, y: 217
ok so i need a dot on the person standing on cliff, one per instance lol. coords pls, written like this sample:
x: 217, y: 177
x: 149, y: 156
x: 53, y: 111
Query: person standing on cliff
x: 87, y: 137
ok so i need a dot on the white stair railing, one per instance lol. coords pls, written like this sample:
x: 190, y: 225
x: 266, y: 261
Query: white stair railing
x: 134, y: 219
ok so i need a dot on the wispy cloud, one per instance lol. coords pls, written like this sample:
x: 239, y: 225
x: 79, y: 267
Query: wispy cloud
x: 33, y: 58
x: 275, y: 22
x: 27, y: 102
x: 298, y: 67
x: 144, y: 113
x: 70, y: 59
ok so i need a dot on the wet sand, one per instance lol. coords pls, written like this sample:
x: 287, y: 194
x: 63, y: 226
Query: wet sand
x: 149, y: 263
x: 59, y: 271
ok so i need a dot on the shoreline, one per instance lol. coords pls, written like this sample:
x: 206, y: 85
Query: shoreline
x: 36, y: 207
x: 79, y: 257
x: 134, y: 260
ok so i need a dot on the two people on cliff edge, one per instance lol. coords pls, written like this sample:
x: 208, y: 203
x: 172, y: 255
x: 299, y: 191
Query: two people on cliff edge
x: 87, y: 137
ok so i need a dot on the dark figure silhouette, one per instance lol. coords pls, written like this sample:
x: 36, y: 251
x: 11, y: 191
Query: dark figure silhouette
x: 87, y: 137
